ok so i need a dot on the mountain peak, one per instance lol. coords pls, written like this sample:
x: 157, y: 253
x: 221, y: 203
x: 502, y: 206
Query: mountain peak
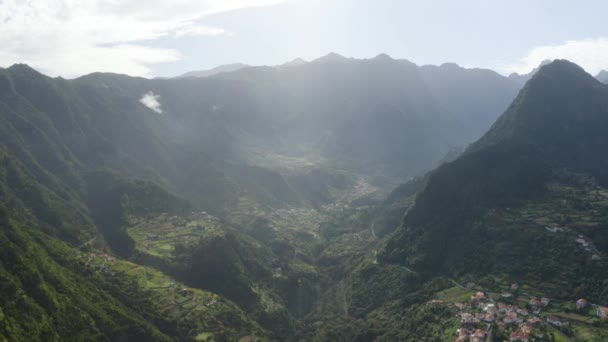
x: 23, y: 68
x: 450, y: 66
x: 561, y: 67
x: 557, y: 122
x: 559, y: 95
x: 331, y: 57
x: 383, y: 57
x: 295, y: 62
x: 602, y: 76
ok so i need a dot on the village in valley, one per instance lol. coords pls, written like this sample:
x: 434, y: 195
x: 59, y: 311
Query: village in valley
x: 517, y: 312
x: 514, y: 315
x: 522, y: 312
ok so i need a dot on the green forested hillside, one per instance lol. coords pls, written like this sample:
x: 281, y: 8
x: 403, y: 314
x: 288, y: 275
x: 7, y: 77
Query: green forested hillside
x: 245, y: 207
x: 485, y: 213
x: 525, y: 204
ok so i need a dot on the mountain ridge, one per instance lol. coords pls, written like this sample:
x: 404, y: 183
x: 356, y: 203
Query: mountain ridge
x: 511, y: 163
x: 90, y: 165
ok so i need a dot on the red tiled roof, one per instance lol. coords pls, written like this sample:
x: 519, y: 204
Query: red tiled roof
x: 519, y: 336
x: 479, y: 333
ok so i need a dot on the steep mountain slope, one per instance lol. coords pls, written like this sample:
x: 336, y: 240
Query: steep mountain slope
x: 58, y: 197
x: 51, y: 290
x: 485, y: 213
x: 469, y: 98
x: 525, y: 204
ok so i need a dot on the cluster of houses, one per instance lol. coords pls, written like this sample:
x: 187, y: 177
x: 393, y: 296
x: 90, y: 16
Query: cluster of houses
x: 481, y: 314
x: 466, y: 333
x: 93, y: 258
x: 583, y: 242
x: 482, y: 310
x: 102, y: 256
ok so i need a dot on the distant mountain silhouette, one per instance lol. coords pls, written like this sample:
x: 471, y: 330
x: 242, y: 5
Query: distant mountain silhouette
x: 602, y: 76
x: 526, y: 77
x: 214, y: 71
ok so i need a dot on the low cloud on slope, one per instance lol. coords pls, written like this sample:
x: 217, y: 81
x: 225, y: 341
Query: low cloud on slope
x: 151, y: 101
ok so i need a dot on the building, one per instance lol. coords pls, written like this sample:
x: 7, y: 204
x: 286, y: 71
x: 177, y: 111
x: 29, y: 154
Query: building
x: 551, y: 229
x: 581, y: 304
x: 506, y: 294
x: 478, y: 296
x: 556, y: 321
x: 519, y: 336
x: 462, y: 334
x: 534, y: 322
x: 545, y: 301
x: 602, y: 313
x: 460, y: 306
x: 478, y: 336
x: 582, y: 242
x: 467, y: 318
x: 534, y: 303
x: 525, y: 329
x: 514, y: 286
x: 510, y: 318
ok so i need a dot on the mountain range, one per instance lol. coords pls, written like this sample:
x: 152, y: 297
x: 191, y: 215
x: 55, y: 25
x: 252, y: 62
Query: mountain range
x: 310, y: 201
x: 214, y: 71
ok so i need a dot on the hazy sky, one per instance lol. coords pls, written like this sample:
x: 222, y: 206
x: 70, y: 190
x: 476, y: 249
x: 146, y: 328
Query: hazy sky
x: 165, y: 38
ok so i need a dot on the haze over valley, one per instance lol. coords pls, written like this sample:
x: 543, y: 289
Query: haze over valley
x: 314, y: 198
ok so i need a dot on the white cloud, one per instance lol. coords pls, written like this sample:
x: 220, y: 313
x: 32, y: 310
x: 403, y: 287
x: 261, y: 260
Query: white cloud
x: 75, y: 37
x: 591, y: 54
x: 151, y: 101
x: 191, y: 29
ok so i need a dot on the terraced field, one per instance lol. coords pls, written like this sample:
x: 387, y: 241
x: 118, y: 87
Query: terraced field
x: 201, y: 312
x: 159, y: 236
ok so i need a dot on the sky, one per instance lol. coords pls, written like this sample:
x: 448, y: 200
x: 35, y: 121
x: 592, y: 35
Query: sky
x: 154, y: 38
